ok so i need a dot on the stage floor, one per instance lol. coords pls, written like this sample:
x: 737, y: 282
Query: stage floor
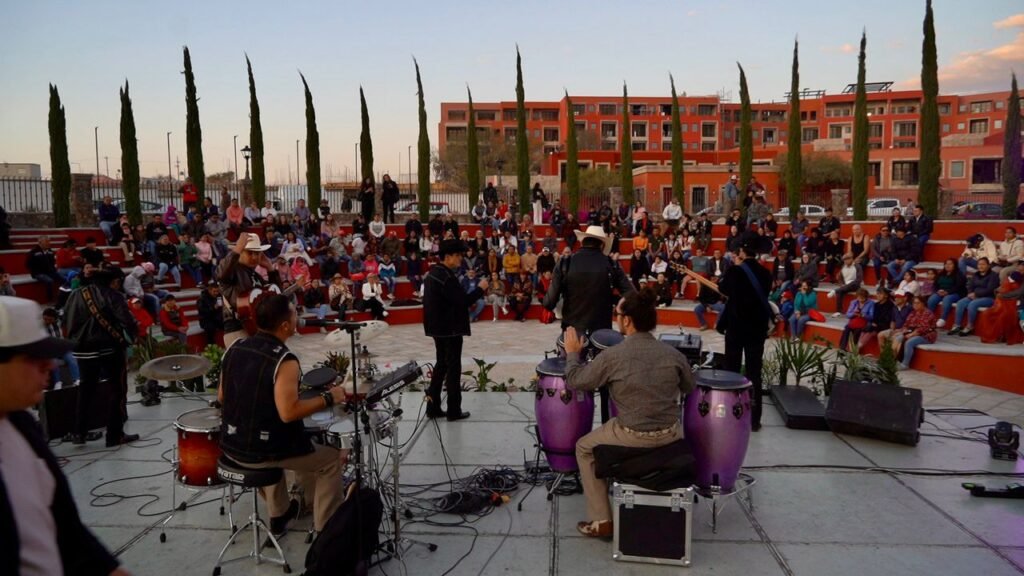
x: 806, y: 521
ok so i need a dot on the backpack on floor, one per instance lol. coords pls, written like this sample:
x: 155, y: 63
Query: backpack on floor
x: 336, y: 548
x: 547, y: 316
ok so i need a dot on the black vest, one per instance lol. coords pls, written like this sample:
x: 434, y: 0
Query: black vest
x: 251, y: 429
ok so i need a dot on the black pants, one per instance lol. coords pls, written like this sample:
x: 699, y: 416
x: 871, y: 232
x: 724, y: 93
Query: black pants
x: 752, y: 350
x: 447, y: 370
x: 389, y: 212
x: 374, y: 307
x: 105, y: 377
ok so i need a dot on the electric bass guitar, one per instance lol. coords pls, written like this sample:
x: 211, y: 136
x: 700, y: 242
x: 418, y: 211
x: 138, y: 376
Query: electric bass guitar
x: 245, y: 302
x: 775, y: 318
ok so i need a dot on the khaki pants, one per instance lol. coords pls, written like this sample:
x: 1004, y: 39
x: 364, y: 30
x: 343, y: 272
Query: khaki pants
x: 595, y: 489
x: 318, y: 473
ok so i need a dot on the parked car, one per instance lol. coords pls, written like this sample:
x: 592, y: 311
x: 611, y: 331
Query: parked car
x: 878, y: 207
x: 148, y: 207
x: 812, y: 211
x: 435, y: 208
x: 956, y: 206
x: 978, y: 210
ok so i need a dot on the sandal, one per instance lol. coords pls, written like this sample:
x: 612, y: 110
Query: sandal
x: 596, y: 529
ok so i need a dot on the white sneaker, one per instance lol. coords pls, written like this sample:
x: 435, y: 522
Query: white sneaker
x: 661, y: 305
x: 836, y: 314
x: 504, y: 310
x: 495, y: 319
x: 941, y: 324
x: 831, y: 294
x: 58, y: 385
x: 385, y: 314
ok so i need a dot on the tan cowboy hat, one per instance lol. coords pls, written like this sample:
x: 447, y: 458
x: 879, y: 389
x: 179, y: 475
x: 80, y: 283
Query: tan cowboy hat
x: 253, y: 244
x: 596, y: 232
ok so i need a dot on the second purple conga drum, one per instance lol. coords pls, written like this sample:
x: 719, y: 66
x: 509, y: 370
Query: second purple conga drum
x: 716, y: 420
x: 563, y: 416
x: 602, y: 340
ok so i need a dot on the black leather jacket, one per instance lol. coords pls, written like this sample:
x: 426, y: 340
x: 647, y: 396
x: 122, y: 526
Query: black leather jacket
x: 93, y: 332
x: 587, y: 282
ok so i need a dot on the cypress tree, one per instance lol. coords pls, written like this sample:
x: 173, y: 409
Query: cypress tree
x: 859, y: 185
x: 794, y: 160
x: 365, y: 143
x: 522, y: 139
x: 677, y: 147
x: 129, y: 159
x: 572, y: 164
x: 259, y: 177
x: 60, y: 167
x: 472, y: 156
x: 931, y: 164
x: 312, y: 150
x: 1011, y: 153
x: 422, y: 153
x: 746, y: 135
x: 627, y: 150
x: 193, y: 131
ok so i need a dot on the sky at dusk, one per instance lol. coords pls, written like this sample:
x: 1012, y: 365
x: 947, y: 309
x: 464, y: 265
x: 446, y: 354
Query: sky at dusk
x: 88, y: 49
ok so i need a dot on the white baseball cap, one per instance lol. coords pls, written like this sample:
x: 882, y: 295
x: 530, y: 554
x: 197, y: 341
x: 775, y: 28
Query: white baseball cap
x: 22, y: 330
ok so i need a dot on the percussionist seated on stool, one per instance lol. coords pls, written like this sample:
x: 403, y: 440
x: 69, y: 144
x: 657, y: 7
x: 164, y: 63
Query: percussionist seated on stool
x: 262, y: 416
x: 647, y: 379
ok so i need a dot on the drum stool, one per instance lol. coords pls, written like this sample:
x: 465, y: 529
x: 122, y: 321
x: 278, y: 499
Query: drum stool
x: 235, y: 474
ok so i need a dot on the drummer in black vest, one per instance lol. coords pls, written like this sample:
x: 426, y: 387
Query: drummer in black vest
x: 647, y: 379
x: 587, y: 282
x: 262, y: 416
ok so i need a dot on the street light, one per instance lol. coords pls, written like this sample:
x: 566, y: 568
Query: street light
x: 96, y: 135
x: 246, y: 153
x: 298, y: 177
x: 357, y: 163
x: 235, y: 148
x: 408, y: 158
x: 170, y: 175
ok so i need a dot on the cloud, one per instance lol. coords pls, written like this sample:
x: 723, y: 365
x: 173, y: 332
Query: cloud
x: 844, y: 49
x: 691, y: 13
x: 981, y: 70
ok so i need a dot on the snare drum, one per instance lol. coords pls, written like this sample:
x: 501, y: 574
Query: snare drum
x: 341, y: 434
x: 198, y: 447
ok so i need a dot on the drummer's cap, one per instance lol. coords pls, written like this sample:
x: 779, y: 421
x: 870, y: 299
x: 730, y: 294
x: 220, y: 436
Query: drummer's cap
x: 253, y: 244
x: 22, y: 331
x: 451, y: 246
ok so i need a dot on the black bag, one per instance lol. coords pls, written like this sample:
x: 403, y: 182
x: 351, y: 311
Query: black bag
x: 659, y: 469
x: 336, y: 549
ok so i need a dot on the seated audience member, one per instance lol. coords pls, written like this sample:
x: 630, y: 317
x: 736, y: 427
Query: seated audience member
x: 252, y: 214
x: 909, y: 284
x: 859, y: 245
x: 373, y: 297
x: 263, y: 414
x: 901, y: 310
x: 1004, y: 322
x: 521, y: 295
x: 235, y: 216
x: 805, y: 300
x: 950, y: 286
x: 918, y: 329
x: 68, y: 259
x: 6, y: 288
x: 91, y: 254
x: 849, y: 279
x: 647, y: 400
x: 881, y: 253
x: 906, y: 253
x: 469, y: 284
x: 339, y: 296
x: 981, y: 289
x: 707, y: 299
x: 663, y: 288
x: 143, y: 318
x: 172, y: 320
x: 808, y: 270
x: 313, y: 300
x: 51, y: 321
x: 882, y: 318
x: 387, y: 273
x: 211, y: 312
x: 835, y: 250
x: 978, y: 247
x: 782, y: 271
x: 859, y: 316
x: 639, y: 267
x: 496, y: 296
x: 414, y: 272
x: 920, y: 225
x: 1008, y: 253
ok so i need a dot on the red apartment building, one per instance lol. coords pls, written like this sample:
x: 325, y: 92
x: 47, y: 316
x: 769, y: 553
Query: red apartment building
x: 971, y: 128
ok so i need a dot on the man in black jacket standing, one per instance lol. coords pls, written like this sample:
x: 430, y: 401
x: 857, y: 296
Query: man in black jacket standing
x: 746, y: 318
x: 42, y: 532
x: 446, y: 320
x: 587, y: 282
x: 389, y: 197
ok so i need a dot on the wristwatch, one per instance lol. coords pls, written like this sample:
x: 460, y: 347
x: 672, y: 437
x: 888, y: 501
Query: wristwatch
x: 328, y: 398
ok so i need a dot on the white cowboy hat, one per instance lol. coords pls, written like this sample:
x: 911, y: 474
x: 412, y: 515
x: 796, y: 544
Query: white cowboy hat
x: 596, y: 232
x: 253, y: 244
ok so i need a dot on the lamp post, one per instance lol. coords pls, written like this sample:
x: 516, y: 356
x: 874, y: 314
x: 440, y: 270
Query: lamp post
x: 96, y: 136
x: 106, y: 160
x: 246, y: 192
x: 357, y: 163
x: 298, y: 177
x: 408, y: 153
x: 235, y: 148
x: 170, y: 175
x: 246, y: 153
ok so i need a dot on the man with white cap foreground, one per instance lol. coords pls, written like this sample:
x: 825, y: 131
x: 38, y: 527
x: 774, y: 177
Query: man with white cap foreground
x: 586, y: 283
x: 42, y: 531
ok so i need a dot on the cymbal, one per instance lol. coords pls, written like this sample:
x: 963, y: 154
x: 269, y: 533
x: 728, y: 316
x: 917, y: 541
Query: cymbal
x: 176, y: 367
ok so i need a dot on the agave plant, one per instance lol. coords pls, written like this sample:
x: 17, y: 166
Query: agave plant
x: 482, y: 376
x: 799, y: 358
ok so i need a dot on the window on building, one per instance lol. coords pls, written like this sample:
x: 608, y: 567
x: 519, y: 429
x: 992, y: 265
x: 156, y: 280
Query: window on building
x: 979, y: 126
x: 999, y: 125
x: 754, y: 134
x: 875, y: 130
x: 945, y: 109
x: 905, y: 144
x: 736, y: 134
x: 607, y: 109
x: 707, y: 146
x: 578, y: 109
x: 904, y: 173
x: 486, y: 115
x: 705, y: 110
x: 456, y: 132
x: 551, y: 134
x: 695, y: 127
x: 814, y: 114
x: 875, y: 171
x: 694, y: 146
x: 963, y: 108
x: 809, y: 134
x: 956, y: 169
x: 536, y: 133
x: 639, y: 146
x: 666, y: 130
x: 986, y: 170
x: 666, y: 109
x: 837, y: 130
x: 803, y: 115
x: 510, y: 134
x: 945, y: 127
x: 708, y: 130
x: 1000, y: 104
x: 877, y: 110
x: 981, y: 107
x: 666, y: 146
x: 960, y: 126
x: 737, y: 115
x: 638, y: 110
x: 905, y: 107
x: 609, y: 130
x: 654, y: 145
x: 593, y: 125
x: 508, y: 115
x: 609, y: 146
x: 639, y: 130
x: 456, y: 115
x: 906, y: 129
x: 768, y: 136
x: 874, y: 145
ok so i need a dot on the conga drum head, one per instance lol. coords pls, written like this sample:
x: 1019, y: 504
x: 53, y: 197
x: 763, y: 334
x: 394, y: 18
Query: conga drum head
x: 560, y: 342
x: 605, y: 338
x: 552, y: 367
x: 319, y: 377
x: 721, y: 380
x: 202, y: 421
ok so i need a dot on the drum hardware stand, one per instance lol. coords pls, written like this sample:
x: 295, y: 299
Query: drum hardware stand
x: 559, y: 476
x: 227, y: 496
x: 743, y: 489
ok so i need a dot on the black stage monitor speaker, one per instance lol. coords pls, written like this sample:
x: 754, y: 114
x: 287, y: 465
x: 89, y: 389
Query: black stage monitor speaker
x: 58, y: 410
x: 799, y: 407
x: 882, y: 411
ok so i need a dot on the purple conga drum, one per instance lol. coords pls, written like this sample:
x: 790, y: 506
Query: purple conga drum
x: 563, y: 416
x: 716, y: 420
x: 600, y: 341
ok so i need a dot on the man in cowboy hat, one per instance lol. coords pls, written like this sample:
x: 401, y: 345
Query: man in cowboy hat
x: 237, y: 276
x: 586, y: 283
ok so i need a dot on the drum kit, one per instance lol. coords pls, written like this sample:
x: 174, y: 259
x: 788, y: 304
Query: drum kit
x: 716, y: 420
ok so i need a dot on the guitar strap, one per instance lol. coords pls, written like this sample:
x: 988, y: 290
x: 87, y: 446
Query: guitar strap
x: 90, y: 303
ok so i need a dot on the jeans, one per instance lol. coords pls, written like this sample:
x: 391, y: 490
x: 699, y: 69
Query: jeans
x: 896, y: 271
x: 107, y: 228
x: 164, y: 269
x: 909, y: 347
x: 496, y: 302
x: 947, y: 302
x: 477, y: 309
x: 844, y: 339
x: 971, y: 308
x: 65, y: 272
x: 48, y: 281
x: 416, y: 281
x: 922, y: 240
x: 736, y: 351
x: 195, y: 272
x: 320, y: 311
x: 966, y: 262
x: 151, y: 249
x: 72, y: 364
x: 879, y: 265
x: 447, y: 371
x: 717, y: 307
x: 797, y: 325
x: 389, y: 283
